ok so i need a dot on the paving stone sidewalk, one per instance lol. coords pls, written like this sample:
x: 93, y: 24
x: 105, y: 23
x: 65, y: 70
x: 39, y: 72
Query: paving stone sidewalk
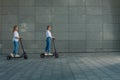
x: 68, y: 67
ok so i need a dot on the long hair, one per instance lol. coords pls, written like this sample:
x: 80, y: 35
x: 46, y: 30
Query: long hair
x: 14, y: 28
x: 48, y: 27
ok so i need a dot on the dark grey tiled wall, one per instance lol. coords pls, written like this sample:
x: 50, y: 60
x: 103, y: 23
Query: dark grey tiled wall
x: 78, y: 25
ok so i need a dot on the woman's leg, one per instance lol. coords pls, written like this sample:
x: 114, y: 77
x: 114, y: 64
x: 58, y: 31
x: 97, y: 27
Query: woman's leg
x: 46, y: 48
x: 49, y: 45
x: 16, y: 47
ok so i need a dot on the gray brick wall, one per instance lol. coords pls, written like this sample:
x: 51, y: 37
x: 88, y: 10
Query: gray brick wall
x: 78, y: 25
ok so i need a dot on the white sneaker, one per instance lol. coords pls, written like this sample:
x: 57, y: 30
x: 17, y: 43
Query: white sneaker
x: 50, y: 54
x: 17, y: 55
x: 11, y: 54
x: 46, y: 54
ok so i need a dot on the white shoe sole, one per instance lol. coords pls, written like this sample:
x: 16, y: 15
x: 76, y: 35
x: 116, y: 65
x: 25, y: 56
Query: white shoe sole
x: 46, y: 54
x: 11, y: 55
x: 50, y: 54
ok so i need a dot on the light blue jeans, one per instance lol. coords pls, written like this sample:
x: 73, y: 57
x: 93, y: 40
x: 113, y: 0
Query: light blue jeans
x: 16, y: 47
x: 48, y: 44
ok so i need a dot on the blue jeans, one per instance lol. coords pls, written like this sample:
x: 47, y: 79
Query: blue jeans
x: 48, y: 44
x: 16, y: 47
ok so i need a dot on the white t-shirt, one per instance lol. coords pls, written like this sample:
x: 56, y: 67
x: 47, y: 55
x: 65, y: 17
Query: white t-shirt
x: 48, y: 34
x: 15, y: 34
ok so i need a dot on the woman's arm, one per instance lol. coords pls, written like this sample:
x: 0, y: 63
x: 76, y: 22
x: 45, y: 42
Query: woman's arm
x: 17, y: 37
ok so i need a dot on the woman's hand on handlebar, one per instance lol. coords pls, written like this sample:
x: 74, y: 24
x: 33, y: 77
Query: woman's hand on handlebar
x: 53, y: 38
x: 20, y: 37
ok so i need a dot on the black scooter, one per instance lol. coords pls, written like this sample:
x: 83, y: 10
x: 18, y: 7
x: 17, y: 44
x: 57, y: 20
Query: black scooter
x: 24, y: 55
x: 54, y: 53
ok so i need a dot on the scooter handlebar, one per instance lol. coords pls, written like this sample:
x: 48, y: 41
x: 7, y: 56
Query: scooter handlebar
x: 20, y: 38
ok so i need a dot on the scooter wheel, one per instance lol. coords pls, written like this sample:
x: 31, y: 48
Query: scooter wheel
x: 56, y: 55
x: 25, y: 57
x: 42, y: 55
x: 8, y: 57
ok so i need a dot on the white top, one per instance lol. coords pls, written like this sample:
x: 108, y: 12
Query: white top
x: 15, y: 34
x: 48, y: 34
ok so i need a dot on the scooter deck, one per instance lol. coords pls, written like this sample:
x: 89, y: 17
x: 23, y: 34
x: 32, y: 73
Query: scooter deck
x: 15, y: 57
x: 46, y: 55
x: 54, y: 55
x: 24, y: 55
